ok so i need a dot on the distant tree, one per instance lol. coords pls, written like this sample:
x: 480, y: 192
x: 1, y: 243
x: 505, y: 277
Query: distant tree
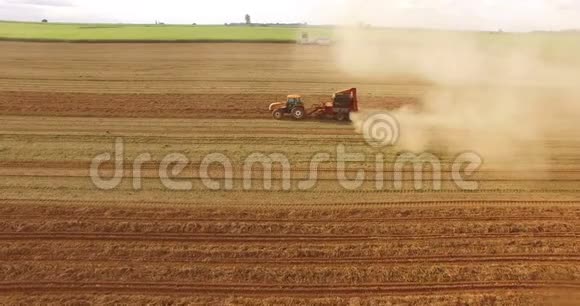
x: 44, y: 21
x: 248, y: 19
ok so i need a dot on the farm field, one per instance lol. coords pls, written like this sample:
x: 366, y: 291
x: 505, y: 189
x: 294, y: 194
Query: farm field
x: 513, y: 240
x: 136, y: 32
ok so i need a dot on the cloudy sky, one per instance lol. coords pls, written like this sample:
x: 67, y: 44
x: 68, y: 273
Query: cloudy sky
x: 510, y: 15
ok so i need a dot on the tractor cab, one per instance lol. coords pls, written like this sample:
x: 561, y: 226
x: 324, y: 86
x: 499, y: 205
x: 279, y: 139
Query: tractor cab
x: 294, y: 101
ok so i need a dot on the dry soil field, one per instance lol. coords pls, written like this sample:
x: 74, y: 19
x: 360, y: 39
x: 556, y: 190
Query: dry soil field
x: 514, y: 240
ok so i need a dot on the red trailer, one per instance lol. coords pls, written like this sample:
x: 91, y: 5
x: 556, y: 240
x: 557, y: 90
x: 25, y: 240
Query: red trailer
x: 343, y: 103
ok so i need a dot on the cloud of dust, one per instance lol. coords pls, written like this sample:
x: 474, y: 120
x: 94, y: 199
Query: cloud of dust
x: 497, y: 94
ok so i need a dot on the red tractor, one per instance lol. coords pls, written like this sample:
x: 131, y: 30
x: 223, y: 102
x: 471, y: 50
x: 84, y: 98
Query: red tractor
x: 342, y: 104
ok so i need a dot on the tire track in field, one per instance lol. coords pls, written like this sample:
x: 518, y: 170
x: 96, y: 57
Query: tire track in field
x: 150, y: 170
x: 215, y: 238
x: 439, y: 204
x: 326, y: 221
x: 80, y: 164
x: 298, y: 176
x: 446, y: 259
x: 279, y: 290
x: 498, y: 191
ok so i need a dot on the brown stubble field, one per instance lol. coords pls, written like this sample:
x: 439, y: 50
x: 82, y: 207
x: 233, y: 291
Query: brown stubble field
x: 512, y: 241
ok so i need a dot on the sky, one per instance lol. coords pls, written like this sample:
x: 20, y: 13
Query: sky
x: 509, y: 15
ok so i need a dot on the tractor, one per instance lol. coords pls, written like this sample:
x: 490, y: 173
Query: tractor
x: 339, y: 108
x: 293, y: 106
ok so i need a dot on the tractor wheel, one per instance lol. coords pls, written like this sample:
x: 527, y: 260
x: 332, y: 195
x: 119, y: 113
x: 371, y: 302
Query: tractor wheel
x: 278, y: 114
x: 298, y: 113
x: 341, y: 116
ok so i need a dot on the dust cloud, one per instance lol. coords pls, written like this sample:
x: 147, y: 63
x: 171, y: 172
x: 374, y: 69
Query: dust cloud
x: 497, y: 94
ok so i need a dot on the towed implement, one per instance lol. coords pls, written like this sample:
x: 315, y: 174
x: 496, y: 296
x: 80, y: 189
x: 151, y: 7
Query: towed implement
x: 339, y: 108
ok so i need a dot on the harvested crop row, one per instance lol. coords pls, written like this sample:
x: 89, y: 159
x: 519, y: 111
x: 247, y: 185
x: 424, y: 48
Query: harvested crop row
x: 509, y: 249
